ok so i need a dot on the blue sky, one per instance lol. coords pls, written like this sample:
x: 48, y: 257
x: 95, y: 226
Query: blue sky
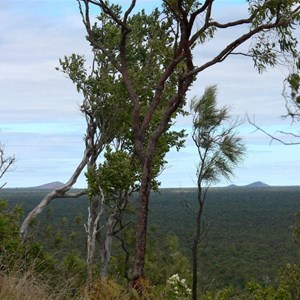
x: 40, y: 121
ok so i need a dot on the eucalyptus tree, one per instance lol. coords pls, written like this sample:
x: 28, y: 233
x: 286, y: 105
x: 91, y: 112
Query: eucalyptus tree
x: 107, y: 109
x: 103, y: 94
x: 115, y: 180
x: 220, y: 149
x: 109, y: 83
x: 153, y: 53
x: 111, y: 184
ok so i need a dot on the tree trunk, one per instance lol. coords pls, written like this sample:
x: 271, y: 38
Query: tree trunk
x: 197, y: 238
x: 90, y: 155
x: 105, y: 253
x: 141, y: 231
x: 92, y: 229
x: 58, y: 193
x: 106, y: 247
x: 195, y: 269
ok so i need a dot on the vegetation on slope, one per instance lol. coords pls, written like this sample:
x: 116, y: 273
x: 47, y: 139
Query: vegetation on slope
x: 249, y: 249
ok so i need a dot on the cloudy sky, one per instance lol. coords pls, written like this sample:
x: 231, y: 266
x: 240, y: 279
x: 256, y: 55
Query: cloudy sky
x: 41, y: 125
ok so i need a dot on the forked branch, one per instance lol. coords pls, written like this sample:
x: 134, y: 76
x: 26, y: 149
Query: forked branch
x: 5, y: 163
x: 274, y: 138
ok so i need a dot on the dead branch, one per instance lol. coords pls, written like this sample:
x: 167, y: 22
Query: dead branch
x: 272, y: 137
x: 5, y: 163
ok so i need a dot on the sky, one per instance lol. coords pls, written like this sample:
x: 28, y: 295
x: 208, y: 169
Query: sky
x: 41, y: 124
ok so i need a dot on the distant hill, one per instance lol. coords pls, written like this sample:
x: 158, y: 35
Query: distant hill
x: 256, y: 184
x: 48, y: 186
x: 233, y: 186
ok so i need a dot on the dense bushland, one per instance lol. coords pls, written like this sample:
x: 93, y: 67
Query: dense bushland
x: 249, y: 249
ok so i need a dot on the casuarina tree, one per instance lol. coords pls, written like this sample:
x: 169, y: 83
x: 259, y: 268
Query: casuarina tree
x: 220, y: 149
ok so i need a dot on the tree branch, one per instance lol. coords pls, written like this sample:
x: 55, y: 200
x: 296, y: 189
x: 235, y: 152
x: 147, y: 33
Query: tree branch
x: 129, y: 10
x: 91, y: 37
x: 229, y: 49
x: 207, y: 4
x: 273, y: 138
x: 90, y: 155
x: 5, y: 163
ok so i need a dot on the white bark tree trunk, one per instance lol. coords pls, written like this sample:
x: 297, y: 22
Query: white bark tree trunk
x: 110, y: 226
x: 92, y: 229
x: 94, y: 144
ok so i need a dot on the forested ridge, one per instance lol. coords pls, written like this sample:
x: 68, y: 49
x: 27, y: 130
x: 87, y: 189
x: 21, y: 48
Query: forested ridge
x: 249, y: 231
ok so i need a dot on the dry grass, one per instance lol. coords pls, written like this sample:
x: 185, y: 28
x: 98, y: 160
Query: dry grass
x: 13, y: 287
x: 31, y: 285
x: 26, y: 287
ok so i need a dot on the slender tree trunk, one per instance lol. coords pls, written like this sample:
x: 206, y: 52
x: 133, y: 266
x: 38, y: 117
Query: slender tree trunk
x: 114, y: 218
x: 195, y: 252
x: 198, y: 234
x: 141, y: 231
x: 58, y: 193
x: 91, y: 245
x: 90, y: 155
x: 106, y: 247
x: 92, y: 230
x: 125, y: 248
x: 195, y: 269
x: 106, y: 252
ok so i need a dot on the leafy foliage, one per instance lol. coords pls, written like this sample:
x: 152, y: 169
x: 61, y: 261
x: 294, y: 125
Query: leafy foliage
x: 219, y: 147
x: 9, y: 226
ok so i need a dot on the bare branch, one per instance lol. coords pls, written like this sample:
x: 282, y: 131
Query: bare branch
x: 206, y: 5
x: 273, y: 138
x: 129, y: 10
x: 90, y: 155
x: 5, y: 163
x: 58, y: 193
x: 121, y: 228
x: 242, y: 54
x: 235, y: 23
x: 74, y: 195
x: 91, y: 37
x: 289, y: 133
